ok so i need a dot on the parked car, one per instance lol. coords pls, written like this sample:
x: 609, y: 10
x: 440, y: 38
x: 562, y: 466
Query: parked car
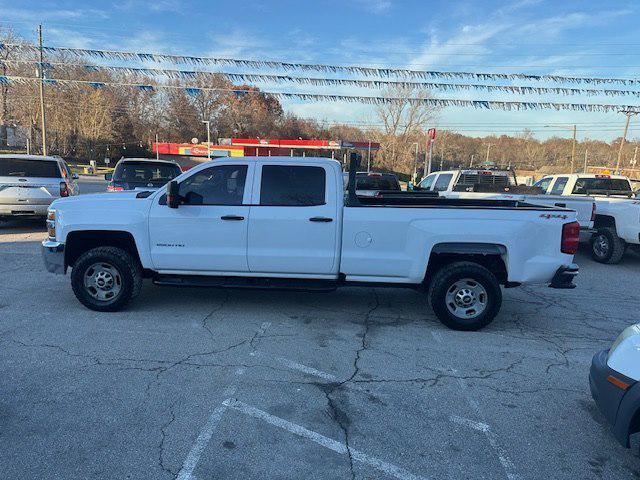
x: 617, y: 220
x: 29, y: 183
x: 502, y: 184
x: 284, y: 222
x: 370, y: 183
x: 614, y: 380
x: 141, y: 173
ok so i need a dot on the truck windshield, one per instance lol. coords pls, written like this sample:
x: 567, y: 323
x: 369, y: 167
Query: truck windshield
x: 20, y: 167
x: 584, y: 185
x: 375, y: 182
x: 145, y: 172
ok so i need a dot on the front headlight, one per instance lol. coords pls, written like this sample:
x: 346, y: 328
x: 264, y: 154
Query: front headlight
x: 51, y: 224
x: 626, y: 333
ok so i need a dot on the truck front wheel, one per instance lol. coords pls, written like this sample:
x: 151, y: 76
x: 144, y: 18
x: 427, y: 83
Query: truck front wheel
x: 607, y: 246
x: 465, y: 296
x: 106, y: 278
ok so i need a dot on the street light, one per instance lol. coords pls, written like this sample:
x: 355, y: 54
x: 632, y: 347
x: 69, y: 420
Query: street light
x: 573, y: 146
x: 415, y: 163
x: 207, y: 123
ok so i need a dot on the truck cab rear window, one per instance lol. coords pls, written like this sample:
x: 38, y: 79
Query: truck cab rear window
x: 380, y: 182
x: 20, y: 167
x: 585, y: 185
x: 292, y: 186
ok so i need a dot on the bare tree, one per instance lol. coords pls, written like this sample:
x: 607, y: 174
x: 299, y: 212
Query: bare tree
x: 404, y: 121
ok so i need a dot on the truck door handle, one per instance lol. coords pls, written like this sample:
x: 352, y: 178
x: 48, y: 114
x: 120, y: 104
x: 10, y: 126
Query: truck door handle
x: 231, y: 217
x: 321, y: 219
x: 563, y: 205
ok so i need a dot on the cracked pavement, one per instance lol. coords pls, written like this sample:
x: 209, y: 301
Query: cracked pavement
x: 125, y: 395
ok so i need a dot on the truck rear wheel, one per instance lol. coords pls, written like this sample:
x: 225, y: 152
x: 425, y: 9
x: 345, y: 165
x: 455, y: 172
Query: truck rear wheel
x: 106, y: 278
x: 465, y: 296
x: 607, y: 246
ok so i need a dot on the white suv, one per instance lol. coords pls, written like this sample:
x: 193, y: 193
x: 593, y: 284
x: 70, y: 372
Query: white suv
x: 29, y: 183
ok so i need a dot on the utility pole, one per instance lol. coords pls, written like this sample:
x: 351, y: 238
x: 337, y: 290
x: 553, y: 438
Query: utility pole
x: 369, y: 157
x: 206, y: 122
x: 42, y: 112
x: 586, y: 153
x: 471, y: 162
x: 628, y: 113
x: 157, y: 149
x: 415, y: 164
x: 573, y: 150
x: 486, y: 160
x: 635, y: 156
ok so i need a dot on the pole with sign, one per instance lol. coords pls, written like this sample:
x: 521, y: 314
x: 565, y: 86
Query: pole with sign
x: 431, y: 137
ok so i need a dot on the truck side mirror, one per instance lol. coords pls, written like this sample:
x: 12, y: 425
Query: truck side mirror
x: 108, y: 176
x: 173, y: 197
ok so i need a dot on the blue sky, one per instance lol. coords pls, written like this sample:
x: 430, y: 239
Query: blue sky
x: 584, y: 38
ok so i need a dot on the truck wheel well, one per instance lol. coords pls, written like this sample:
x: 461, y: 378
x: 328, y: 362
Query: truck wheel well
x: 79, y: 242
x: 493, y: 262
x: 604, y: 221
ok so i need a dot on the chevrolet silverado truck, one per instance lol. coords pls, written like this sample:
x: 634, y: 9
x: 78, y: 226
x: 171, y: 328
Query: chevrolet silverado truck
x: 617, y: 219
x: 271, y: 222
x: 502, y: 184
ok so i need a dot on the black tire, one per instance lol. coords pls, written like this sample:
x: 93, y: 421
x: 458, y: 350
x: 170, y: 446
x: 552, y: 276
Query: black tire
x: 124, y: 267
x: 607, y: 246
x: 445, y: 281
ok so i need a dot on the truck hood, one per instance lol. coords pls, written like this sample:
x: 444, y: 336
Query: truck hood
x: 107, y: 198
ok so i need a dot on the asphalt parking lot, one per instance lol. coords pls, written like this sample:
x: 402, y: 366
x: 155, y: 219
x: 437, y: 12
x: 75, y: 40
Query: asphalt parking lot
x: 358, y: 383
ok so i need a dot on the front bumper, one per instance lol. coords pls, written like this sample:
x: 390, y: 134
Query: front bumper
x: 53, y: 256
x: 618, y: 406
x: 564, y: 276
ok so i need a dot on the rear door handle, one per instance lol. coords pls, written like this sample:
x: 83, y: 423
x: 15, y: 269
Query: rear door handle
x: 231, y: 217
x: 321, y: 219
x: 563, y: 205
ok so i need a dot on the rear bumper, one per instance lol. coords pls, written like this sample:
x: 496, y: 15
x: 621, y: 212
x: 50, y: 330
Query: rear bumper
x: 616, y: 405
x: 24, y: 210
x: 53, y: 256
x: 564, y: 276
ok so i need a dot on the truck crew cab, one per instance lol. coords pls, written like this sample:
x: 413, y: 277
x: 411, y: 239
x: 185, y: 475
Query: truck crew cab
x: 286, y: 222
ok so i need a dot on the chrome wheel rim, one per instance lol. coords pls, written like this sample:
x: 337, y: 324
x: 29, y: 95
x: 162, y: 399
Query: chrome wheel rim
x: 102, y: 281
x: 466, y: 298
x: 601, y: 245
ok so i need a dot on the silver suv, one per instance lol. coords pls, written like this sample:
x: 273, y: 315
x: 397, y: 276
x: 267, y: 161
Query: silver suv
x: 29, y: 183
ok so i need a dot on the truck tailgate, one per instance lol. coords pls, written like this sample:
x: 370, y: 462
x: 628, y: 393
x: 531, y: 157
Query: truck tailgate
x: 30, y: 191
x: 583, y: 206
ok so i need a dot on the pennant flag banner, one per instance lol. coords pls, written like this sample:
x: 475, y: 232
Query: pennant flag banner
x: 325, y: 68
x: 370, y: 100
x: 316, y: 81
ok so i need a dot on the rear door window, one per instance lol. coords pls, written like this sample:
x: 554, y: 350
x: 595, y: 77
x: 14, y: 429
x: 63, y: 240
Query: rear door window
x: 442, y: 183
x: 558, y: 186
x: 20, y: 167
x: 292, y: 186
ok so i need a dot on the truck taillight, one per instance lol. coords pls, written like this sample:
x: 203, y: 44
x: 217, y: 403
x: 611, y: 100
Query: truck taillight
x: 113, y: 188
x: 570, y: 238
x: 64, y: 189
x: 593, y: 212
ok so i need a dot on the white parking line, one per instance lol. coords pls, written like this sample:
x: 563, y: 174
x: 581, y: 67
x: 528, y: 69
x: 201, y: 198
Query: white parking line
x: 201, y: 443
x: 190, y: 463
x: 298, y: 366
x: 507, y: 465
x: 326, y: 442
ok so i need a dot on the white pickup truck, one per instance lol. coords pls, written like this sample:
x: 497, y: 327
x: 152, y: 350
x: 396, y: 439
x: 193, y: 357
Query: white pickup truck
x: 463, y: 183
x: 617, y: 220
x: 272, y: 222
